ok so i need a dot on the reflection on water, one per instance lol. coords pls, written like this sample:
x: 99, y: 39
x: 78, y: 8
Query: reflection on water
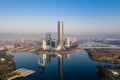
x: 75, y: 65
x: 41, y: 62
x: 45, y: 55
x: 60, y: 66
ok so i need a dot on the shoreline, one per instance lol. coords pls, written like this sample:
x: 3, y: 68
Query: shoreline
x: 100, y: 55
x: 104, y: 55
x: 39, y: 50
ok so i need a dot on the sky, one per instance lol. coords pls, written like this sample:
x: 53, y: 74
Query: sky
x: 41, y: 16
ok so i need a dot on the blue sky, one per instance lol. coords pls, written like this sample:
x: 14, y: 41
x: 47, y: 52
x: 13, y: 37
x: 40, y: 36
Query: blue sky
x: 41, y: 16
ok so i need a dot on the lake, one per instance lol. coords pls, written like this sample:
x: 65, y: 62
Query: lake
x: 74, y: 65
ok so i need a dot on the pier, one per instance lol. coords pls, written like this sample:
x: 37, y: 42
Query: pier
x: 20, y: 73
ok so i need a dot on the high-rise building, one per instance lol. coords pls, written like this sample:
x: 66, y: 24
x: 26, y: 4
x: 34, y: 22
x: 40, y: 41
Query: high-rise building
x: 44, y: 46
x: 53, y: 43
x: 48, y: 36
x: 60, y: 36
x: 60, y: 33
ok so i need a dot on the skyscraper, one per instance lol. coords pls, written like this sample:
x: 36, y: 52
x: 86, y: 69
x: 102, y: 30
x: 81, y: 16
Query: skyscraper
x: 60, y: 36
x: 60, y: 32
x: 48, y: 36
x: 53, y: 43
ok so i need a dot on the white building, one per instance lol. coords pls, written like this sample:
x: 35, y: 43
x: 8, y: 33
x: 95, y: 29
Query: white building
x: 44, y: 46
x: 67, y: 42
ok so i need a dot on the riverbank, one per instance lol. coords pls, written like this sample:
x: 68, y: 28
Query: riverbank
x: 105, y: 55
x: 37, y: 50
x: 7, y: 64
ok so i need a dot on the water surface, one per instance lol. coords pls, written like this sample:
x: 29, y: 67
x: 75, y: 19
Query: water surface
x: 71, y: 66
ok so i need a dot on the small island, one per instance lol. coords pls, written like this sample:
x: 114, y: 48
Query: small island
x: 105, y: 55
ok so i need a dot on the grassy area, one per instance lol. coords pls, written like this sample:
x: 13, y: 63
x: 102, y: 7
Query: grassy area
x: 106, y: 55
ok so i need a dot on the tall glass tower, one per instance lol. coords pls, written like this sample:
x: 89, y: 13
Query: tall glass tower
x: 60, y: 36
x: 60, y: 33
x: 48, y: 36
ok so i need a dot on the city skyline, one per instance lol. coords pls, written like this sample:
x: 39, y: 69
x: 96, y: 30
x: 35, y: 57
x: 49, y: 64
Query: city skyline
x: 79, y: 16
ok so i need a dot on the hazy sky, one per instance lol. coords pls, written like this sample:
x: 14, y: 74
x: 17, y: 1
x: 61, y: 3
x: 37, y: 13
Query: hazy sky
x: 41, y: 16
